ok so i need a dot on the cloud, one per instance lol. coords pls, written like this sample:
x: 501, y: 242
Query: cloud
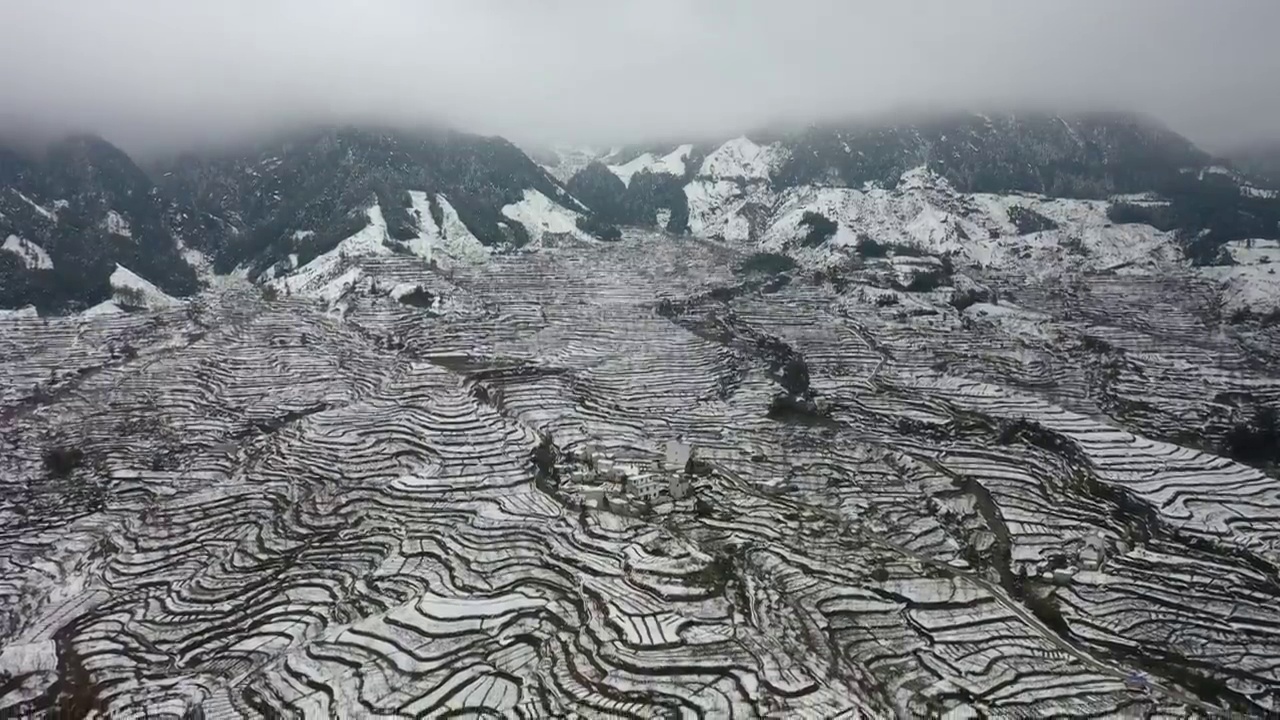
x: 160, y: 73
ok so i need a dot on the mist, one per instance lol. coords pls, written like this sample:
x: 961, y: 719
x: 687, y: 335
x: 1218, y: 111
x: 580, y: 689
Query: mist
x: 157, y: 75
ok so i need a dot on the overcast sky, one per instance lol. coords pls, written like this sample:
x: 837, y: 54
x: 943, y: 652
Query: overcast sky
x: 155, y: 73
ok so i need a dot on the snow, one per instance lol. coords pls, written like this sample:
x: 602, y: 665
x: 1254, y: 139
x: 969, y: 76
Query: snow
x: 38, y: 207
x: 39, y: 656
x: 332, y: 291
x: 742, y: 158
x: 1253, y: 283
x: 1012, y: 319
x: 715, y: 207
x: 115, y: 224
x: 925, y: 212
x: 1217, y: 170
x: 1250, y: 191
x: 126, y: 282
x: 451, y: 240
x: 196, y: 259
x: 672, y: 163
x: 428, y: 232
x: 303, y: 234
x: 326, y: 277
x: 1255, y: 252
x: 31, y: 254
x: 108, y: 307
x: 892, y: 217
x: 922, y: 178
x: 399, y: 290
x: 1143, y: 199
x: 458, y: 240
x: 28, y: 311
x: 626, y: 170
x: 542, y: 216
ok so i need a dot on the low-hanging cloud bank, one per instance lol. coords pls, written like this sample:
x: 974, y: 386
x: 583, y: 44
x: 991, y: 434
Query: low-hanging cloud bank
x: 157, y: 74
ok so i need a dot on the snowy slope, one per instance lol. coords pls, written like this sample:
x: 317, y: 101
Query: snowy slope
x: 428, y: 239
x: 107, y: 307
x: 1253, y: 283
x: 31, y: 254
x: 130, y: 289
x: 742, y: 158
x: 724, y: 208
x: 23, y: 312
x: 541, y: 216
x: 451, y: 240
x: 46, y: 212
x: 672, y: 163
x: 330, y: 276
x: 327, y: 277
x: 925, y: 213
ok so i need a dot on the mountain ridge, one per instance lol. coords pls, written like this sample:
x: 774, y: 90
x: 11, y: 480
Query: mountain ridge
x: 269, y: 208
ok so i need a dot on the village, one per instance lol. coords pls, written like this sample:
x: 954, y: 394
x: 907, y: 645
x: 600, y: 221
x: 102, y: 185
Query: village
x: 630, y: 489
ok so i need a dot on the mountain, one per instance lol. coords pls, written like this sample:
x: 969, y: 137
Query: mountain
x: 74, y: 215
x: 305, y: 194
x: 1119, y: 189
x: 1089, y: 156
x: 71, y: 216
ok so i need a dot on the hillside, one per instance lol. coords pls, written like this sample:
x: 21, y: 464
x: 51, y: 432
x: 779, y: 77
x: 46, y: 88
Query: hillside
x: 71, y: 215
x: 304, y: 195
x: 79, y: 210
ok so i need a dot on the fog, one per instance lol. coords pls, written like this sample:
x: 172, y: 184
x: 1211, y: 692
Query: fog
x: 154, y: 75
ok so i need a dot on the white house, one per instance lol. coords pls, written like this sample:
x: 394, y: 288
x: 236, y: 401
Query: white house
x: 1093, y: 553
x: 679, y: 486
x: 645, y: 487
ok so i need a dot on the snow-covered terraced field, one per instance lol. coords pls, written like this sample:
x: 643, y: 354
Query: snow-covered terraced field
x: 345, y: 504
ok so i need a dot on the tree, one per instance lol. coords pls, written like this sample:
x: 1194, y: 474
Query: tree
x: 765, y: 262
x: 869, y: 248
x: 795, y: 375
x: 596, y: 227
x: 820, y: 229
x: 926, y: 281
x: 1029, y: 221
x: 61, y: 461
x: 130, y: 297
x: 1256, y: 440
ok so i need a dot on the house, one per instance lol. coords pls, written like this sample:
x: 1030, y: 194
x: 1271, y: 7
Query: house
x: 607, y: 469
x: 646, y: 487
x: 1094, y: 552
x: 678, y: 486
